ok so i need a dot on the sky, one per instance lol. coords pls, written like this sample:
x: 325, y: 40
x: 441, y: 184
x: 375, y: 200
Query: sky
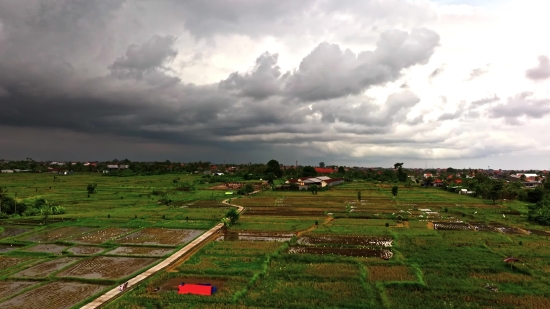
x: 444, y: 83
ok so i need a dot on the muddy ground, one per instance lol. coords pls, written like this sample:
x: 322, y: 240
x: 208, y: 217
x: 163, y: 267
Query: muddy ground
x: 100, y: 236
x: 9, y: 247
x: 47, y: 248
x: 160, y: 236
x: 85, y: 250
x: 10, y: 231
x: 106, y: 267
x: 8, y: 288
x: 46, y: 268
x: 53, y: 235
x: 149, y: 251
x: 55, y: 295
x: 347, y: 240
x: 255, y: 236
x: 357, y: 252
x: 8, y: 262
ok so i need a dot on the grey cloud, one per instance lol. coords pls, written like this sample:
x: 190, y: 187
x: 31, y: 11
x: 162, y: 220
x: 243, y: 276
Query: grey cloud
x: 260, y: 82
x: 484, y: 101
x: 329, y: 72
x: 449, y: 116
x: 436, y: 72
x: 477, y: 72
x: 147, y: 58
x: 521, y: 105
x: 540, y: 72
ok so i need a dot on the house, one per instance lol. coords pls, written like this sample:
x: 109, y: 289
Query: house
x: 323, y: 170
x: 437, y: 183
x: 123, y: 166
x: 7, y: 171
x: 112, y: 167
x: 334, y: 181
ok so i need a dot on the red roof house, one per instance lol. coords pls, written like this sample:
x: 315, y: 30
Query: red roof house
x: 324, y: 170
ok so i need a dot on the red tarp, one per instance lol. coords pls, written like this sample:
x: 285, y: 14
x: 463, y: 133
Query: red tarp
x: 195, y: 289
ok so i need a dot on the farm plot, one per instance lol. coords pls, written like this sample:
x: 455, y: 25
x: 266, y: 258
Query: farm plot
x: 10, y: 231
x: 390, y: 273
x: 58, y: 233
x: 148, y: 251
x: 55, y: 295
x: 9, y: 247
x: 450, y: 226
x: 85, y: 250
x: 160, y: 236
x: 101, y: 236
x: 47, y: 248
x: 172, y: 284
x: 346, y: 240
x: 8, y: 288
x: 282, y: 211
x: 255, y: 236
x: 357, y: 252
x: 8, y: 262
x: 103, y: 267
x: 46, y: 268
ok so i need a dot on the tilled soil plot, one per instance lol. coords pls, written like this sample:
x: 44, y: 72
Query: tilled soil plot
x: 85, y: 250
x: 160, y: 236
x: 106, y: 267
x: 47, y: 248
x: 100, y: 236
x: 10, y: 231
x: 255, y: 236
x: 7, y: 248
x: 149, y: 251
x: 450, y: 226
x: 357, y: 252
x: 59, y: 233
x: 481, y: 227
x: 7, y: 262
x: 282, y: 211
x: 55, y: 295
x: 46, y: 268
x: 8, y: 288
x: 508, y: 230
x: 347, y: 240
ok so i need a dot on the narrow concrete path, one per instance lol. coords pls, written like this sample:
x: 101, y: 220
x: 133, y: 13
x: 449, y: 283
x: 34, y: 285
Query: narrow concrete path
x: 114, y: 293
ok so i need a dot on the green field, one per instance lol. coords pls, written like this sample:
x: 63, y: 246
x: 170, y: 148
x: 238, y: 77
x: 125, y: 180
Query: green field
x: 448, y: 257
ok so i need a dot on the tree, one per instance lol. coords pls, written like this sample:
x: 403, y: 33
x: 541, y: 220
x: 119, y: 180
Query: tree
x: 394, y: 190
x: 91, y: 188
x: 341, y: 170
x: 401, y: 174
x: 309, y: 171
x: 274, y: 167
x: 322, y: 164
x: 233, y: 215
x: 397, y: 165
x: 522, y: 177
x: 314, y: 189
x: 540, y: 212
x: 496, y: 191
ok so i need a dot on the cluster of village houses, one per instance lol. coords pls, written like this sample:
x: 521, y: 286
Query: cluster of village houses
x: 304, y: 183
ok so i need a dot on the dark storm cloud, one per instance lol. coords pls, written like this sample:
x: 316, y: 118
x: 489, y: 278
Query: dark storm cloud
x: 146, y: 58
x: 521, y: 105
x: 540, y: 72
x: 94, y: 70
x: 329, y: 72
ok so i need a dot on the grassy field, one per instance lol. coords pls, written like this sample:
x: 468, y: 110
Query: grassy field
x: 424, y: 248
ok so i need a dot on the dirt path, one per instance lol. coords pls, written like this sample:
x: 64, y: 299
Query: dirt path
x: 170, y: 263
x: 311, y: 228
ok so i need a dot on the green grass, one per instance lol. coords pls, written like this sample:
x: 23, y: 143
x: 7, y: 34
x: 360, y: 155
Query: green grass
x: 444, y: 269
